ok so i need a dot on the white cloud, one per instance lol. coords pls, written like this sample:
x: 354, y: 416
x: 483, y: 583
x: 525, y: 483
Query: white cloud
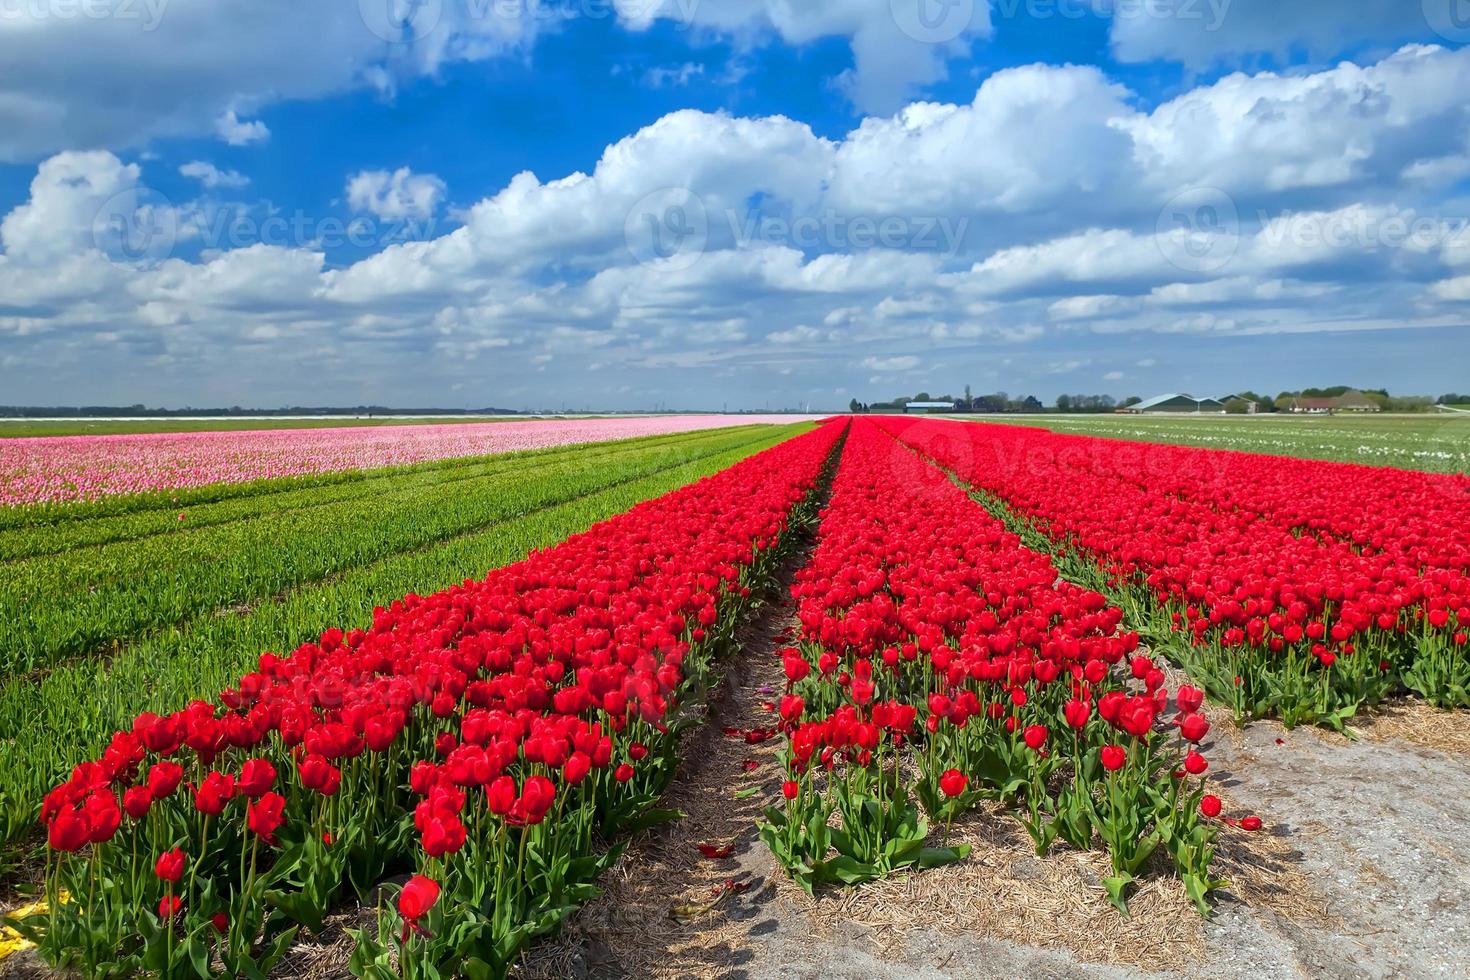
x: 561, y: 266
x: 672, y: 77
x: 1113, y: 376
x: 903, y: 362
x: 240, y: 132
x: 395, y: 196
x: 1200, y: 33
x: 212, y: 177
x: 191, y: 67
x: 893, y: 54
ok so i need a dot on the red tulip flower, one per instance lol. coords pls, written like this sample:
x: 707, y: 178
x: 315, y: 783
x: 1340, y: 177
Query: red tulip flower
x: 953, y: 782
x: 211, y: 796
x: 1210, y: 806
x: 68, y: 832
x: 1077, y: 712
x: 1194, y: 763
x: 256, y: 777
x: 418, y: 897
x: 137, y: 801
x: 266, y: 815
x: 501, y: 795
x: 170, y: 865
x: 790, y: 788
x: 169, y: 906
x: 1194, y: 727
x: 1035, y: 736
x: 1113, y: 757
x: 164, y: 778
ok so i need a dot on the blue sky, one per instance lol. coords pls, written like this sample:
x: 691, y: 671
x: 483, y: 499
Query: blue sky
x: 613, y: 203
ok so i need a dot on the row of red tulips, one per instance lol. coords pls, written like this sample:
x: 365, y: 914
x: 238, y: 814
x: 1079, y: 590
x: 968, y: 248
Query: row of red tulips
x: 490, y: 737
x: 1291, y: 588
x: 941, y: 663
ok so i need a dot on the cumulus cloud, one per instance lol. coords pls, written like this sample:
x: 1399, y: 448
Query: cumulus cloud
x: 240, y: 132
x: 1201, y: 33
x: 641, y: 265
x: 190, y: 67
x: 395, y: 196
x: 212, y: 177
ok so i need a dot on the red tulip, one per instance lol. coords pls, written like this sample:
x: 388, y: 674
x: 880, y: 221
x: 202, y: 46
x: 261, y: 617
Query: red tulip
x: 790, y: 788
x: 164, y: 778
x: 211, y: 796
x: 170, y: 865
x: 137, y: 801
x: 1077, y: 712
x: 256, y: 777
x: 1194, y: 727
x: 578, y: 765
x: 501, y: 795
x: 1210, y: 806
x: 418, y: 897
x: 623, y: 773
x: 169, y: 906
x: 67, y: 832
x: 1113, y: 757
x: 1250, y: 823
x: 265, y: 816
x: 1035, y: 736
x: 1194, y: 763
x: 952, y: 782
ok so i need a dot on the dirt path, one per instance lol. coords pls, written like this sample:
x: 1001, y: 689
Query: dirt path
x: 1362, y: 871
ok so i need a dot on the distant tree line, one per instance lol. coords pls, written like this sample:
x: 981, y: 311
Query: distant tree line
x: 1000, y: 401
x: 1236, y: 404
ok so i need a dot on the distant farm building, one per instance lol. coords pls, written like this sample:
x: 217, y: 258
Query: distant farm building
x: 1348, y: 401
x: 922, y: 407
x: 1177, y: 404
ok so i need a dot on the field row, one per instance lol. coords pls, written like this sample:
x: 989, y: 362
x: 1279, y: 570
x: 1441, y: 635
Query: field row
x: 1301, y: 590
x: 51, y: 721
x: 78, y: 601
x: 60, y: 470
x: 492, y: 735
x: 940, y: 664
x: 1437, y: 443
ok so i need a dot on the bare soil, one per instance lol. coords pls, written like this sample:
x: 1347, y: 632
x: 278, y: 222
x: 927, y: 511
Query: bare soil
x: 1362, y: 870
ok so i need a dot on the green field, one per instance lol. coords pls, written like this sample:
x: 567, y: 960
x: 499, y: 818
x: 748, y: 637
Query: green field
x: 1437, y: 443
x: 138, y: 613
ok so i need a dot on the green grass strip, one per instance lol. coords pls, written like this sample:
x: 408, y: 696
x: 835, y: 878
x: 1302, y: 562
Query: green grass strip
x: 77, y: 603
